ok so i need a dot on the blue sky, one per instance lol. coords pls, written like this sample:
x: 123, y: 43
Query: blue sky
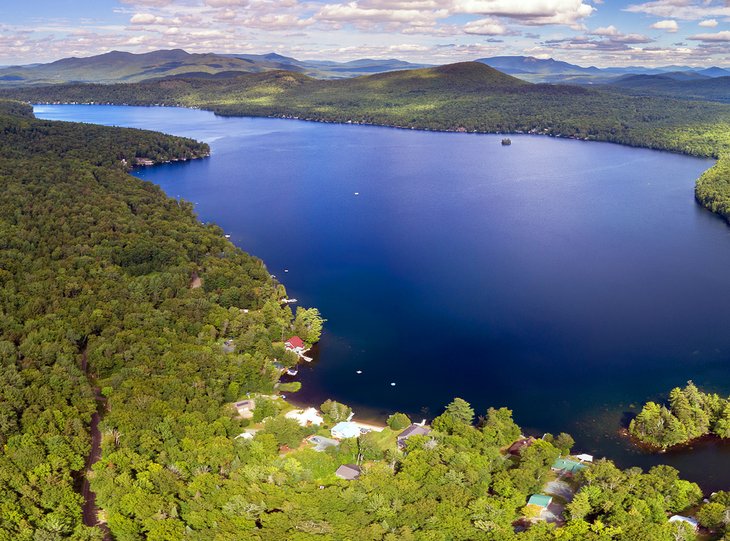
x: 586, y: 32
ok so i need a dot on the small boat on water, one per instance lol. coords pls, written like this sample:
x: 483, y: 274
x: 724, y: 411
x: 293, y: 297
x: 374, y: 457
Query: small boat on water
x: 506, y: 142
x: 292, y: 371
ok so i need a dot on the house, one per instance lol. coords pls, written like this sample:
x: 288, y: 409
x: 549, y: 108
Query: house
x: 307, y: 417
x: 565, y: 466
x: 295, y: 344
x: 245, y: 408
x: 413, y: 430
x: 687, y: 520
x: 349, y: 472
x: 540, y: 500
x: 345, y: 429
x: 517, y: 447
x: 584, y: 458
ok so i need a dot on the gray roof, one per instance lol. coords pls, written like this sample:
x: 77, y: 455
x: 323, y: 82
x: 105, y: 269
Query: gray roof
x: 413, y: 430
x: 348, y: 472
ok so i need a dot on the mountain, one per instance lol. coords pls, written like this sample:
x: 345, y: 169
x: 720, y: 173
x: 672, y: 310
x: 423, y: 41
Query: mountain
x: 329, y: 69
x: 548, y: 70
x: 697, y: 88
x: 123, y: 67
x: 119, y: 66
x: 714, y: 72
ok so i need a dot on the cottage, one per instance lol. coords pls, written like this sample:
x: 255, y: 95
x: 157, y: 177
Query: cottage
x: 517, y: 447
x: 307, y: 417
x: 565, y: 466
x: 295, y: 344
x: 344, y: 430
x: 245, y: 408
x: 413, y: 430
x: 349, y: 472
x: 540, y: 500
x: 687, y: 520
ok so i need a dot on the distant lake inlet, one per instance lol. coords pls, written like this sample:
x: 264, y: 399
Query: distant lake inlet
x: 566, y: 280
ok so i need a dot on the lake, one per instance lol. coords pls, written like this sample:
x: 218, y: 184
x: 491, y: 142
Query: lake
x: 567, y: 280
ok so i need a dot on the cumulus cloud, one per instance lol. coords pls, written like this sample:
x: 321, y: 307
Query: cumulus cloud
x: 601, y: 39
x: 723, y: 36
x: 485, y: 27
x: 690, y: 10
x: 531, y: 12
x: 606, y: 31
x: 668, y: 24
x: 709, y: 23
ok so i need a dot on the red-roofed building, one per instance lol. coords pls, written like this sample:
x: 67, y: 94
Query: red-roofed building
x: 295, y: 344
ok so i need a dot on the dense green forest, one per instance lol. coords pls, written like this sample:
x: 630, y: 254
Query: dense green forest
x: 468, y: 96
x: 98, y: 276
x: 691, y: 414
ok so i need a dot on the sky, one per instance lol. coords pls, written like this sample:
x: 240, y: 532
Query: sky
x: 602, y: 33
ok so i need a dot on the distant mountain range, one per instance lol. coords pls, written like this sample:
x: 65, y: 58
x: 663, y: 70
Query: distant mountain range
x: 538, y: 70
x: 123, y: 67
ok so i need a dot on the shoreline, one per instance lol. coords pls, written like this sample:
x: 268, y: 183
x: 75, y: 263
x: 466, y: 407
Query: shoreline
x: 373, y: 416
x: 705, y: 201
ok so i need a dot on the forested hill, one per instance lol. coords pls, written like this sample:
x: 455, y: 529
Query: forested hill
x: 706, y: 88
x: 97, y: 265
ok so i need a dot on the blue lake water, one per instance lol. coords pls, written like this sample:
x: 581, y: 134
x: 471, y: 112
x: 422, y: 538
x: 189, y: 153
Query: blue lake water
x: 569, y: 281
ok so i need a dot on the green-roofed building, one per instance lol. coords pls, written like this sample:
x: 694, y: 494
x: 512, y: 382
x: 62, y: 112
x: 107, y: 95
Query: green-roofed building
x: 567, y: 466
x: 540, y: 500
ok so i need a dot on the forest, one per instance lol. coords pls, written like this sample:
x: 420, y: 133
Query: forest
x: 101, y: 312
x: 468, y: 96
x: 691, y: 414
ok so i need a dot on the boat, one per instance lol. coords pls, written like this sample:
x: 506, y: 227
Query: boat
x: 506, y: 141
x: 292, y: 371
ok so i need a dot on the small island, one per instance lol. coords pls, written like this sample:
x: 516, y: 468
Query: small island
x: 691, y: 415
x: 506, y: 142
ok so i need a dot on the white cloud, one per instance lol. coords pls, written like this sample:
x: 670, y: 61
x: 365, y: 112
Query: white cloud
x: 709, y: 23
x: 485, y: 27
x: 668, y: 24
x: 606, y: 31
x: 532, y: 12
x: 717, y: 37
x: 689, y: 10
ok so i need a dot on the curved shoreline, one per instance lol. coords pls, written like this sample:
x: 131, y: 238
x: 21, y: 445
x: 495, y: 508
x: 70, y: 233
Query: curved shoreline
x: 702, y: 195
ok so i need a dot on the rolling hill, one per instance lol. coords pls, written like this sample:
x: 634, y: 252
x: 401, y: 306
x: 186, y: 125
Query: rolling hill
x: 695, y: 88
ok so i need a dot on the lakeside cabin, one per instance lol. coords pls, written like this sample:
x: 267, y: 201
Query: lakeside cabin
x: 345, y: 429
x: 687, y: 520
x: 516, y: 448
x: 295, y: 344
x: 348, y: 472
x: 565, y: 466
x: 306, y: 417
x: 540, y: 500
x: 413, y: 430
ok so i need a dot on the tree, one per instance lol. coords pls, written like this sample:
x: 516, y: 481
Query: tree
x: 335, y: 412
x: 713, y: 515
x: 398, y: 421
x: 308, y: 324
x: 564, y: 442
